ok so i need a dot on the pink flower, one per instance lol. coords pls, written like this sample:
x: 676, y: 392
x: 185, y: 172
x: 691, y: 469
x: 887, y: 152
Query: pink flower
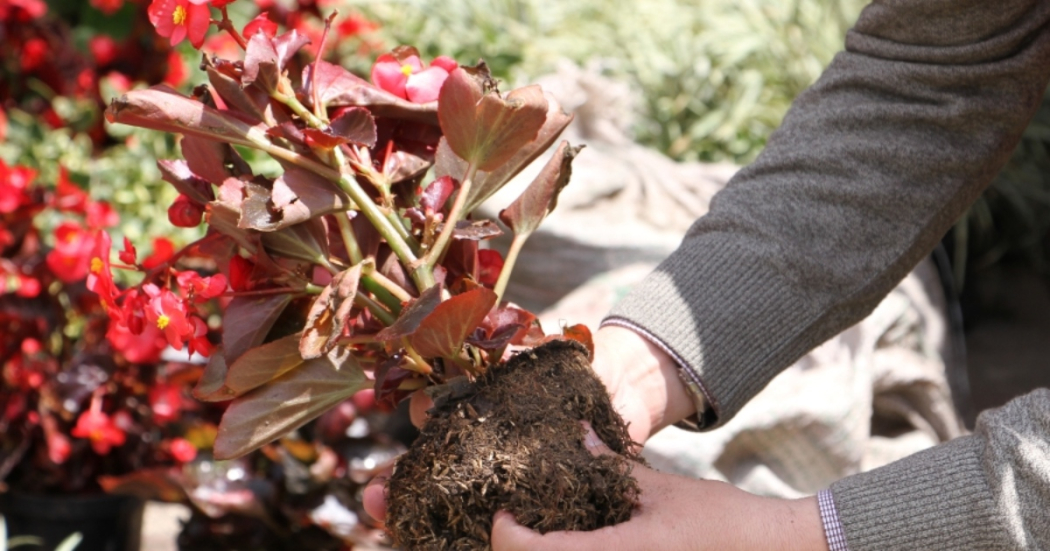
x: 168, y: 313
x: 68, y: 196
x: 98, y: 427
x: 177, y: 19
x: 490, y: 264
x: 403, y: 75
x: 100, y: 214
x: 166, y: 402
x: 127, y: 256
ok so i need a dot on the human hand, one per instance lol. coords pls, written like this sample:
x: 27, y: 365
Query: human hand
x: 682, y: 513
x: 641, y: 379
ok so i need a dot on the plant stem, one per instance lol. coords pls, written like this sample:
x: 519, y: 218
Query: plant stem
x: 377, y: 309
x: 277, y: 291
x: 227, y: 25
x: 388, y: 284
x: 353, y: 249
x: 422, y: 274
x: 433, y: 256
x: 298, y: 108
x: 381, y: 294
x: 508, y: 264
x: 420, y: 363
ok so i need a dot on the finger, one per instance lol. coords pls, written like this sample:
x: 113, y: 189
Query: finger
x: 373, y: 498
x: 508, y: 535
x: 418, y: 406
x: 592, y: 442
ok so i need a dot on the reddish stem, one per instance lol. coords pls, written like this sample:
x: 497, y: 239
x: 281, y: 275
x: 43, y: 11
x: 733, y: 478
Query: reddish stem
x: 227, y: 25
x: 317, y: 61
x: 263, y: 292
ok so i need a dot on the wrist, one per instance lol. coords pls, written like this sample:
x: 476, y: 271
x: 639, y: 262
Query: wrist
x: 633, y: 366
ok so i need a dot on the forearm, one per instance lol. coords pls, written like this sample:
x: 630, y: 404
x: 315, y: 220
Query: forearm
x: 871, y: 166
x: 989, y: 490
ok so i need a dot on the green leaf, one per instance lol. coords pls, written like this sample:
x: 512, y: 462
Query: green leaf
x: 539, y: 199
x: 482, y: 127
x: 287, y: 403
x: 441, y: 333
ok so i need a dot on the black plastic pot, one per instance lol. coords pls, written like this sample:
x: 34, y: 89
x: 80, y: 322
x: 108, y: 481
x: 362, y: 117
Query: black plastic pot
x: 106, y: 522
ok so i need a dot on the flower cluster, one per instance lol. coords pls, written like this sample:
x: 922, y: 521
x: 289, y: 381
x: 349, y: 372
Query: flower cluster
x: 73, y: 405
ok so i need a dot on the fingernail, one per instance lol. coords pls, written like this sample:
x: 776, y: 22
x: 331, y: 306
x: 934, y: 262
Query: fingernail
x: 592, y: 441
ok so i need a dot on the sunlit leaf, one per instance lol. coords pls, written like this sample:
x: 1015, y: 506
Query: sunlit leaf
x: 447, y: 163
x: 263, y: 364
x: 412, y: 316
x: 299, y: 195
x: 352, y: 125
x: 261, y: 63
x: 441, y: 334
x: 482, y: 127
x: 329, y: 314
x: 338, y: 87
x: 304, y: 241
x: 539, y: 199
x: 287, y: 403
x: 162, y: 108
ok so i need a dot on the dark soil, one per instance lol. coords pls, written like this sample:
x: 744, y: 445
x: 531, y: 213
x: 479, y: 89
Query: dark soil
x: 512, y: 440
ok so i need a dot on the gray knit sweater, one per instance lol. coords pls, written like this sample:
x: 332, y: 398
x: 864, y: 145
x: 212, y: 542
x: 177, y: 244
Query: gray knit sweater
x: 870, y: 168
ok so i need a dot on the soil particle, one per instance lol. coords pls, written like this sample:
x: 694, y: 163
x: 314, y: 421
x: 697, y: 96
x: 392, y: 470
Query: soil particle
x: 512, y: 440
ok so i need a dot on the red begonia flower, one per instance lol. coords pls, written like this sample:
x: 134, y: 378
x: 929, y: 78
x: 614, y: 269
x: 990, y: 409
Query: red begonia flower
x: 168, y: 313
x: 98, y: 427
x: 354, y: 24
x: 261, y: 23
x: 178, y: 19
x: 128, y: 255
x: 201, y: 288
x: 14, y: 182
x: 185, y: 212
x: 103, y: 48
x: 34, y: 52
x: 177, y: 73
x: 100, y: 276
x: 100, y: 214
x: 165, y: 402
x: 71, y: 257
x: 182, y: 450
x: 490, y: 263
x: 108, y: 7
x: 199, y: 343
x: 144, y: 347
x: 408, y: 79
x: 68, y: 196
x: 163, y: 250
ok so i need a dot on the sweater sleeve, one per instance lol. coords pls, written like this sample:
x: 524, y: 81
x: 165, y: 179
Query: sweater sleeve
x: 869, y: 169
x: 989, y: 490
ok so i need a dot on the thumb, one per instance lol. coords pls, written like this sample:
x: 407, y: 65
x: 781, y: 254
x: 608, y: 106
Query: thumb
x: 592, y: 442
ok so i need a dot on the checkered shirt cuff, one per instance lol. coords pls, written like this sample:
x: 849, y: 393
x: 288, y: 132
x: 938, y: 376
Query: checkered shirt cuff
x: 829, y: 517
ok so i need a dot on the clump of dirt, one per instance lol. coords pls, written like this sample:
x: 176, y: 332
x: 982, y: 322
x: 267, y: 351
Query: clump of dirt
x: 512, y: 440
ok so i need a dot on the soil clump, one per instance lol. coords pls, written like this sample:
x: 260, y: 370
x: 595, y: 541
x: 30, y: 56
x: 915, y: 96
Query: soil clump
x: 512, y: 440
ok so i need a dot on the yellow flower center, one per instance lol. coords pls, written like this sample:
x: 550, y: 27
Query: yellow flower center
x: 163, y: 321
x: 406, y: 70
x: 179, y: 16
x: 96, y: 265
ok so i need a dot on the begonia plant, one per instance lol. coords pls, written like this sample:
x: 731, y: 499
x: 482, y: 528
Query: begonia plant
x: 358, y: 262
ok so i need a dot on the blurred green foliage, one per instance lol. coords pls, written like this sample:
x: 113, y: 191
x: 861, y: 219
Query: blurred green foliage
x: 713, y: 78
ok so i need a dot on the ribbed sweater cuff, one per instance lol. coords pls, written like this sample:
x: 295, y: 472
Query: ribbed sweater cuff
x: 726, y: 313
x: 935, y: 499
